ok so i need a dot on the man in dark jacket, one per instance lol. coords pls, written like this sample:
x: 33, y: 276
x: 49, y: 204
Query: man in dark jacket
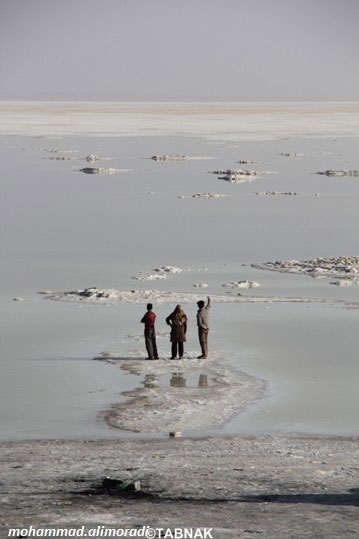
x: 150, y: 334
x: 203, y: 326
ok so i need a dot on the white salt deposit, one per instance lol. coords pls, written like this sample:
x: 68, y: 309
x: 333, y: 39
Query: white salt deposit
x: 60, y: 158
x: 109, y: 295
x: 208, y: 195
x: 242, y: 284
x: 176, y: 407
x: 235, y: 122
x: 342, y: 282
x: 276, y: 193
x: 169, y: 269
x: 204, y: 195
x: 173, y: 157
x: 150, y: 277
x: 169, y: 157
x: 339, y: 173
x: 239, y: 175
x: 105, y: 170
x: 92, y: 158
x: 200, y: 285
x: 343, y: 267
x: 292, y: 154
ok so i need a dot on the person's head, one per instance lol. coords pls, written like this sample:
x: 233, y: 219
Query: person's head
x: 200, y: 304
x: 149, y: 306
x: 178, y: 309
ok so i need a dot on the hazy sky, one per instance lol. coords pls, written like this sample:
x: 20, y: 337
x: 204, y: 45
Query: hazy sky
x: 179, y: 49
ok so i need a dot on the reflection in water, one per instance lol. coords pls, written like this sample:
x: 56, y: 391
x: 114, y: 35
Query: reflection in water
x: 203, y: 380
x: 150, y: 381
x: 178, y: 380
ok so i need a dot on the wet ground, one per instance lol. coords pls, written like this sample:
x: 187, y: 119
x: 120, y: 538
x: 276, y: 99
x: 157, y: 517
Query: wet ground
x: 272, y: 487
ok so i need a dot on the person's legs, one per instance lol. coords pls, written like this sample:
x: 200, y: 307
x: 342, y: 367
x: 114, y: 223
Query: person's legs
x: 148, y: 342
x: 203, y: 340
x: 154, y: 345
x: 180, y: 349
x: 174, y: 350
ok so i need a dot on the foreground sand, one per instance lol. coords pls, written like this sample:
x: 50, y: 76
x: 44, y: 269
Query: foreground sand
x: 272, y: 486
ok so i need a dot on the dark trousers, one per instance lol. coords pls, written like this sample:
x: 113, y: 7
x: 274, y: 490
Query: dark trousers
x: 203, y: 340
x: 174, y: 349
x: 150, y: 341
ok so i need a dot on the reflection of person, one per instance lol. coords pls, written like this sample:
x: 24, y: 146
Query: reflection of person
x: 150, y: 381
x: 178, y: 380
x: 203, y: 326
x: 178, y: 322
x: 203, y: 380
x: 150, y: 335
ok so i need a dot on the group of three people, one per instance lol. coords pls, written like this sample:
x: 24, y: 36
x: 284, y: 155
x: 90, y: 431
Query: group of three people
x: 178, y: 322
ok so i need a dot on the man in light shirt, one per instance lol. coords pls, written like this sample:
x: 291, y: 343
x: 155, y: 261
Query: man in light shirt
x: 203, y: 326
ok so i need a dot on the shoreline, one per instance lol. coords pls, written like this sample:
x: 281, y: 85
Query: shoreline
x: 159, y: 407
x: 271, y: 485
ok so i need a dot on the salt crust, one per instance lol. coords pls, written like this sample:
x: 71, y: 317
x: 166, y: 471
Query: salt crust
x: 103, y: 170
x: 276, y: 193
x: 173, y: 157
x: 343, y: 267
x: 162, y: 272
x: 292, y: 154
x: 339, y: 173
x: 110, y: 296
x: 204, y: 195
x: 242, y: 284
x: 239, y: 176
x: 156, y: 408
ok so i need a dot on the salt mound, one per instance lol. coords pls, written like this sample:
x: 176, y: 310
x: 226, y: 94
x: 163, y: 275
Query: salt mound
x: 168, y: 157
x: 276, y: 193
x: 173, y: 157
x: 239, y: 176
x: 292, y: 154
x: 168, y: 269
x: 342, y: 282
x: 94, y: 170
x: 92, y: 158
x: 208, y: 195
x: 339, y: 173
x: 343, y: 267
x: 242, y: 284
x: 60, y: 158
x: 149, y: 277
x: 95, y: 295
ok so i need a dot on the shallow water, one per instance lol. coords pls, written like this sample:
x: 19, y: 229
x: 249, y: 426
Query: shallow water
x: 64, y: 230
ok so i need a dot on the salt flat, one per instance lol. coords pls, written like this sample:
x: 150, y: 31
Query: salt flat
x: 65, y: 230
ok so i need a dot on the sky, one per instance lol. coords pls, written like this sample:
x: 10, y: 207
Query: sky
x: 179, y: 50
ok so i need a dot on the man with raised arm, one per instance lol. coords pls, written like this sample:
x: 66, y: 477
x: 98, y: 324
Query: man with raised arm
x: 203, y: 326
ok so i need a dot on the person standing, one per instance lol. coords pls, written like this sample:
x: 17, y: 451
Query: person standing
x: 203, y: 326
x: 150, y: 334
x: 178, y: 322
